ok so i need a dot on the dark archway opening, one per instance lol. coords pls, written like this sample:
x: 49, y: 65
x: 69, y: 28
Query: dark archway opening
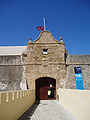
x: 45, y: 88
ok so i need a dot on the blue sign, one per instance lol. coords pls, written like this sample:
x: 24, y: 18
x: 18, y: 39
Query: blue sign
x: 77, y: 69
x: 78, y: 78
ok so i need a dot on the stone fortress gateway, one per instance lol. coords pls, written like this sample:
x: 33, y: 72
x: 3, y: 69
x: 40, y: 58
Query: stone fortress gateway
x: 43, y: 65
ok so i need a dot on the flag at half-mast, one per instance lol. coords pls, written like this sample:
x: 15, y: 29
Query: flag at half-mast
x: 40, y: 28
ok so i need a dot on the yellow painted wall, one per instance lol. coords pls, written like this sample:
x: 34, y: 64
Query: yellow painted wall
x: 14, y: 104
x: 77, y: 102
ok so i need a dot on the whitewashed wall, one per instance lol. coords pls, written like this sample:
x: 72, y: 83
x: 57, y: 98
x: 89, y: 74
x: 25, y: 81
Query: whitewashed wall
x: 77, y: 102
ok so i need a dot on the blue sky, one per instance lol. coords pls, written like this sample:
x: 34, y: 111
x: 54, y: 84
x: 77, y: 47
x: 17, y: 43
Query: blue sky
x: 67, y: 18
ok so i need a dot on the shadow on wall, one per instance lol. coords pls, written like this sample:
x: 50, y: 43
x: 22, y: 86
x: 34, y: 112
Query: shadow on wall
x: 27, y: 115
x: 14, y: 104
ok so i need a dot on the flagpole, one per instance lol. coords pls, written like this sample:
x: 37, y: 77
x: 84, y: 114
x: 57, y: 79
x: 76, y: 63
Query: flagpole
x: 44, y: 24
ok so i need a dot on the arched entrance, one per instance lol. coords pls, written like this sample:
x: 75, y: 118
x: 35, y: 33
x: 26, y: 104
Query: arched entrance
x: 45, y: 88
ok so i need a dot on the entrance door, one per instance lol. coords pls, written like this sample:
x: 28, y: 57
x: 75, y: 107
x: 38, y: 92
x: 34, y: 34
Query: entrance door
x: 51, y: 93
x: 45, y: 88
x: 43, y: 93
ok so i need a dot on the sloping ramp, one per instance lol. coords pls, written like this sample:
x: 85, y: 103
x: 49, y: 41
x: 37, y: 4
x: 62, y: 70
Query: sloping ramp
x: 47, y: 110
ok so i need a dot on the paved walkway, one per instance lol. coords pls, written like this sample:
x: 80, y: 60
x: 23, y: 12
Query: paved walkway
x: 47, y: 110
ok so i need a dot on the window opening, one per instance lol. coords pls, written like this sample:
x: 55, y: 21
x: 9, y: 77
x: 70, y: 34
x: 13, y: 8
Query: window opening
x: 45, y: 51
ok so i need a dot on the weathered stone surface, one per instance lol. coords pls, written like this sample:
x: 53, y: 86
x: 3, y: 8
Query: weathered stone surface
x: 78, y: 59
x: 13, y: 59
x: 24, y: 64
x: 46, y: 37
x: 70, y: 77
x: 12, y: 73
x: 82, y: 61
x: 11, y: 76
x: 51, y: 64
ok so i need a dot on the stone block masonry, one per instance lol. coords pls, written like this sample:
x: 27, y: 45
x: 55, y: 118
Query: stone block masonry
x: 11, y: 72
x: 82, y: 61
x: 20, y: 66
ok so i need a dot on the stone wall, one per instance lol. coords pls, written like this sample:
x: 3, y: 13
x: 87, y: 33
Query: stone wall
x: 82, y: 61
x: 51, y: 64
x: 10, y: 60
x: 11, y: 73
x: 78, y: 59
x: 32, y: 63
